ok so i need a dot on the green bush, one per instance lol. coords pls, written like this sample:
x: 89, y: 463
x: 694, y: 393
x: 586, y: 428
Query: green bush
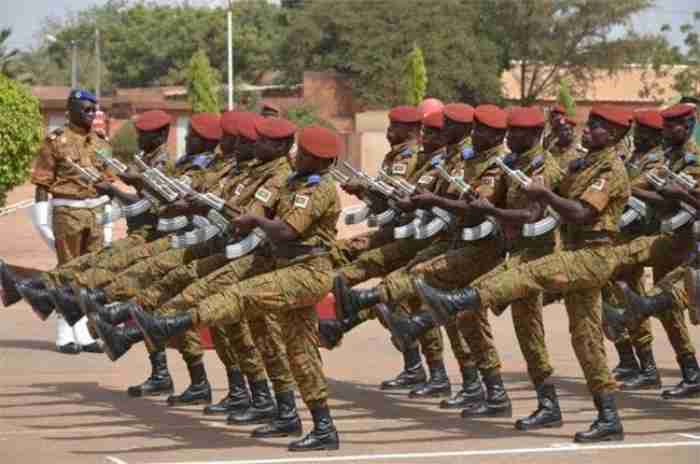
x: 125, y: 142
x: 203, y: 84
x: 306, y: 115
x: 21, y: 127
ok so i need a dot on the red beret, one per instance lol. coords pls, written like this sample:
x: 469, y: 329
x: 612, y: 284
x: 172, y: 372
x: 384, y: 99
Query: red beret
x: 230, y: 121
x: 570, y: 121
x: 613, y: 114
x: 319, y: 142
x: 207, y: 125
x: 491, y: 116
x: 275, y: 128
x: 649, y: 118
x: 434, y: 120
x: 459, y: 112
x: 405, y: 114
x: 558, y: 109
x: 153, y: 120
x: 247, y: 123
x: 678, y: 111
x: 529, y: 117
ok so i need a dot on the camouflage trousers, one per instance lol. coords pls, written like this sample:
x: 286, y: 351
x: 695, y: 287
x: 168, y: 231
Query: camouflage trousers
x: 258, y: 344
x: 674, y: 284
x: 447, y: 267
x: 527, y: 316
x: 290, y: 292
x: 579, y: 275
x: 76, y: 233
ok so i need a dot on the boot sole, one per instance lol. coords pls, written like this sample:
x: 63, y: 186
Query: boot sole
x: 615, y: 437
x: 550, y: 425
x: 333, y: 447
x: 431, y: 395
x: 261, y: 421
x: 407, y: 387
x: 685, y: 397
x: 641, y: 387
x: 296, y: 433
x: 155, y: 393
x: 189, y: 403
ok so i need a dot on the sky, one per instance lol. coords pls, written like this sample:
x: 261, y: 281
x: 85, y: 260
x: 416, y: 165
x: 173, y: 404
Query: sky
x: 25, y: 17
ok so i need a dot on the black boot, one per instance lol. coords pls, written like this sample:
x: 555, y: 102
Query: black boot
x: 472, y: 391
x: 497, y: 402
x: 607, y: 427
x: 38, y: 297
x: 614, y: 322
x: 412, y: 375
x: 689, y: 387
x: 648, y: 377
x: 8, y: 281
x: 640, y: 307
x: 114, y: 313
x: 262, y: 408
x: 237, y: 398
x: 324, y: 436
x: 547, y: 414
x: 404, y: 330
x: 628, y: 366
x: 117, y: 340
x: 199, y: 391
x: 66, y: 304
x: 437, y: 386
x: 159, y: 383
x: 157, y: 330
x: 331, y: 331
x: 444, y: 305
x: 350, y: 301
x: 287, y: 423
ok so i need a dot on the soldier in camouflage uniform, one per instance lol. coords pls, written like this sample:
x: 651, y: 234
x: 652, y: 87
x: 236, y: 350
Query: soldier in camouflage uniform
x: 449, y: 261
x: 303, y: 235
x: 565, y: 149
x: 555, y: 121
x: 593, y: 196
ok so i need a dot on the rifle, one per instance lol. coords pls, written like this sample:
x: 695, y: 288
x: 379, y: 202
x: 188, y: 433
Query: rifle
x: 90, y: 175
x: 687, y: 212
x: 405, y: 189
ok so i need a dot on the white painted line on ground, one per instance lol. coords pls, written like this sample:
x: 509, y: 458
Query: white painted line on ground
x: 113, y: 460
x: 689, y: 435
x: 447, y: 454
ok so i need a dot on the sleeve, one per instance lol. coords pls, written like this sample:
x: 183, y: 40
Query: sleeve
x: 110, y: 176
x: 491, y: 185
x: 598, y: 192
x: 44, y: 172
x: 266, y: 197
x: 309, y: 207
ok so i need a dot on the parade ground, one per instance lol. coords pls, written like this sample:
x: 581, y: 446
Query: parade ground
x: 63, y: 409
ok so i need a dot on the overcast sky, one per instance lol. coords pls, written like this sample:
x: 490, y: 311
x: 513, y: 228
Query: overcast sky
x: 25, y: 16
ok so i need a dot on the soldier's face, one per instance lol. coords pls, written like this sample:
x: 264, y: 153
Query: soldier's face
x: 433, y: 138
x: 521, y: 140
x: 399, y: 133
x: 597, y: 134
x: 267, y: 149
x: 485, y: 137
x: 565, y: 135
x: 245, y: 148
x: 455, y: 131
x: 82, y: 113
x: 556, y: 120
x: 228, y: 144
x: 150, y: 140
x: 646, y: 138
x: 676, y: 131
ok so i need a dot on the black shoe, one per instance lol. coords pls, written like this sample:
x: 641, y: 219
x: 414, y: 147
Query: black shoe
x: 648, y: 377
x: 607, y: 427
x: 92, y: 303
x: 349, y: 301
x: 444, y: 305
x: 8, y: 281
x: 437, y: 386
x: 237, y: 398
x: 614, y: 323
x: 38, y: 297
x: 199, y: 391
x: 287, y: 423
x: 324, y: 436
x: 66, y: 304
x: 116, y: 340
x: 69, y: 348
x: 404, y: 330
x: 640, y: 307
x: 628, y: 366
x: 331, y: 331
x: 93, y: 348
x: 496, y: 404
x: 159, y: 383
x: 157, y: 330
x: 689, y: 387
x: 472, y: 391
x: 411, y: 376
x: 547, y: 414
x: 262, y: 408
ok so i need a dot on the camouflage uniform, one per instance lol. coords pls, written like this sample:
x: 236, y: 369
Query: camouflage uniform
x: 310, y: 206
x: 582, y: 268
x: 674, y: 284
x: 565, y: 155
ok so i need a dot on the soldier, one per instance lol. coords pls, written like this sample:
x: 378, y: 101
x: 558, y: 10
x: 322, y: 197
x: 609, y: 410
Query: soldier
x: 302, y: 235
x: 557, y: 117
x: 593, y: 195
x: 565, y: 149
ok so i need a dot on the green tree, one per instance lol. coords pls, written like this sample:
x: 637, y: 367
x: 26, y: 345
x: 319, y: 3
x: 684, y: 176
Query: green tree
x: 566, y: 99
x: 7, y: 55
x: 687, y: 82
x: 20, y: 134
x: 203, y: 85
x: 416, y: 77
x: 306, y: 115
x: 125, y: 142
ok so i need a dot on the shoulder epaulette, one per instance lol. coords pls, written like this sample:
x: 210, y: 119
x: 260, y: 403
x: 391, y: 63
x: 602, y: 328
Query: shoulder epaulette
x: 313, y: 179
x: 435, y: 160
x: 690, y: 158
x: 406, y: 152
x: 467, y: 153
x: 509, y: 159
x: 577, y: 164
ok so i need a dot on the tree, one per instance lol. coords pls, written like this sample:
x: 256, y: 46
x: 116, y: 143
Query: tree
x: 416, y: 77
x: 203, y: 85
x: 687, y: 82
x: 20, y: 134
x: 306, y: 115
x: 566, y: 99
x: 368, y: 41
x: 125, y: 142
x: 10, y: 65
x: 550, y: 40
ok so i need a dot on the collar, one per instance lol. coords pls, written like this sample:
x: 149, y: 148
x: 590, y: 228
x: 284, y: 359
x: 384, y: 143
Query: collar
x: 77, y: 129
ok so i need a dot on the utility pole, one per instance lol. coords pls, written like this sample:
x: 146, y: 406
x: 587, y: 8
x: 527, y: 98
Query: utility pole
x: 230, y: 59
x: 98, y: 71
x: 74, y: 65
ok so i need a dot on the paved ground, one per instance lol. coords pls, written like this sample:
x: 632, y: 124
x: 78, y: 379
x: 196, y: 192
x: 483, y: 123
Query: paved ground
x: 73, y: 409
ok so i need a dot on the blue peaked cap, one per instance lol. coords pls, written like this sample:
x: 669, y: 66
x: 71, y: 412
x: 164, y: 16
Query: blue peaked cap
x: 80, y: 94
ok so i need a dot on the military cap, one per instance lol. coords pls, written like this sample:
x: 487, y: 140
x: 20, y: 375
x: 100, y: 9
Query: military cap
x: 80, y: 94
x: 246, y: 125
x: 319, y: 142
x: 207, y: 125
x: 229, y: 122
x: 430, y: 105
x: 405, y: 114
x: 491, y: 116
x: 153, y: 120
x: 435, y: 120
x: 526, y: 117
x: 275, y: 128
x: 613, y: 114
x: 680, y: 110
x: 649, y: 118
x: 558, y: 109
x: 459, y: 112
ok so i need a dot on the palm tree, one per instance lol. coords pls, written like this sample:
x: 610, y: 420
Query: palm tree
x: 8, y: 59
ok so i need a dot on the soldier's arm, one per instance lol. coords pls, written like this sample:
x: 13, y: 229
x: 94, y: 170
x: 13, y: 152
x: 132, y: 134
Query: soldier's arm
x: 43, y: 174
x: 571, y: 211
x: 532, y: 213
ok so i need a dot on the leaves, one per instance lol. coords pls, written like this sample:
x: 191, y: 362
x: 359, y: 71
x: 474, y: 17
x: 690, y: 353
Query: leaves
x: 416, y: 77
x: 202, y: 85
